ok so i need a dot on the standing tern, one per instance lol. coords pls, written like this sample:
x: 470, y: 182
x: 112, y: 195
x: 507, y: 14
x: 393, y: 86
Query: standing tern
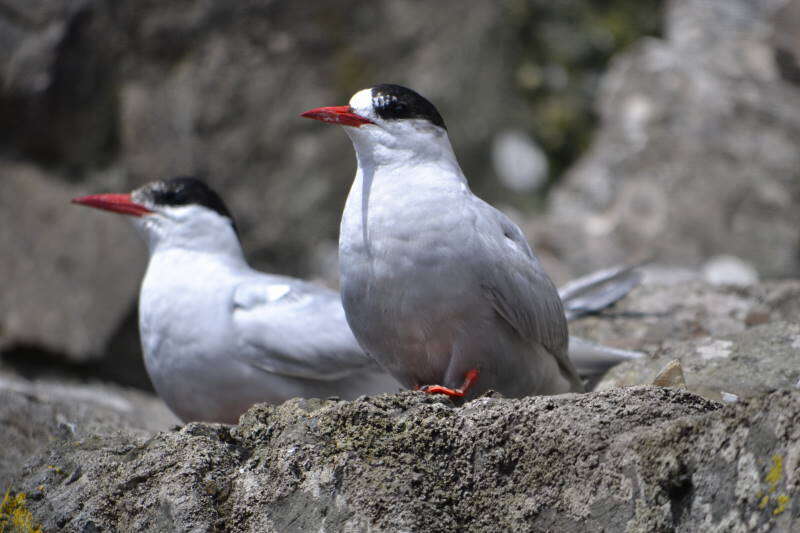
x: 218, y: 336
x: 439, y: 286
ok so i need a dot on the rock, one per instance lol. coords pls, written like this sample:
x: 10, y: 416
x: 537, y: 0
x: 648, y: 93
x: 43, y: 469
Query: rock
x: 520, y: 164
x: 637, y: 459
x: 69, y: 275
x: 729, y: 270
x: 671, y: 376
x: 34, y: 414
x: 727, y: 397
x: 719, y: 334
x: 652, y: 316
x: 751, y: 363
x: 697, y: 152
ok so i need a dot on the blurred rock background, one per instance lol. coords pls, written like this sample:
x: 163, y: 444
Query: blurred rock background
x: 614, y: 131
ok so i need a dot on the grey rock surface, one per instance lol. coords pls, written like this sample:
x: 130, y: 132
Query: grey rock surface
x: 636, y: 459
x: 696, y: 154
x: 640, y: 458
x: 62, y: 288
x: 34, y: 414
x: 739, y: 340
x: 751, y: 363
x: 653, y: 316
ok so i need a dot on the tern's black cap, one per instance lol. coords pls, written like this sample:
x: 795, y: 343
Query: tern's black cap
x: 186, y: 190
x: 396, y: 102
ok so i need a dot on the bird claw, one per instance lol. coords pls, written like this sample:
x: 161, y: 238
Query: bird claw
x: 439, y: 389
x: 469, y: 380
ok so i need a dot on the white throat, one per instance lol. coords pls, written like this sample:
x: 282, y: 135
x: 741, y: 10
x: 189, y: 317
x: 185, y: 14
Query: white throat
x: 387, y: 168
x: 190, y: 229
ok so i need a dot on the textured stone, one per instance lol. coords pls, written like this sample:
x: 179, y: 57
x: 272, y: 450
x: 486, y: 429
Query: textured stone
x: 652, y: 316
x: 620, y: 459
x: 637, y: 459
x: 751, y: 363
x: 737, y: 340
x: 697, y: 153
x: 34, y: 414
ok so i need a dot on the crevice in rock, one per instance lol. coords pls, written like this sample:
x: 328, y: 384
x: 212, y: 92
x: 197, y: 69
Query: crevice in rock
x: 680, y: 492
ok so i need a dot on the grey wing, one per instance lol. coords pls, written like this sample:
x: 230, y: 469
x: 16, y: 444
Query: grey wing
x: 596, y: 291
x: 518, y: 288
x: 293, y: 328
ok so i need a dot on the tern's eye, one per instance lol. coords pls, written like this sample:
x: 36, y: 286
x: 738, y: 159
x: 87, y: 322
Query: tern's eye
x: 171, y: 196
x: 179, y: 197
x: 391, y: 108
x: 168, y: 197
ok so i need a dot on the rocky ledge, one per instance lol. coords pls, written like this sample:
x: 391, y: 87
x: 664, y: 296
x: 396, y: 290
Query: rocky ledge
x: 623, y: 458
x: 636, y: 459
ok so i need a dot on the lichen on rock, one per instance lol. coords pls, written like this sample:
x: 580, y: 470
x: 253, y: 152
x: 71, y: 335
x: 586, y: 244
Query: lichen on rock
x: 15, y: 516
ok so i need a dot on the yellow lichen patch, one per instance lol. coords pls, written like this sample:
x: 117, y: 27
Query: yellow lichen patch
x: 783, y: 501
x: 773, y: 478
x: 763, y: 503
x: 775, y: 473
x: 15, y: 516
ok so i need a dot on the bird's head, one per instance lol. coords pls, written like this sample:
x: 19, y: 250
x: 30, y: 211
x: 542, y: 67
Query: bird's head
x: 389, y: 123
x: 180, y: 212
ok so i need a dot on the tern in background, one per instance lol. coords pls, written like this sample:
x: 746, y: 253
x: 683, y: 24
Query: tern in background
x: 439, y: 286
x: 218, y: 336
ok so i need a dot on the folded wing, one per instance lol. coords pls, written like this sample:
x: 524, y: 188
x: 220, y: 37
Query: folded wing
x: 293, y: 328
x: 518, y: 288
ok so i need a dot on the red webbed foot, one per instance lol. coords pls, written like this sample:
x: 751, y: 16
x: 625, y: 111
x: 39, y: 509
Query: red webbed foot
x: 469, y: 380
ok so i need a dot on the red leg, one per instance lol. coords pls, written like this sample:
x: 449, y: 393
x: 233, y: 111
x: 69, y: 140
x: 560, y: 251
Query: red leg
x: 469, y: 381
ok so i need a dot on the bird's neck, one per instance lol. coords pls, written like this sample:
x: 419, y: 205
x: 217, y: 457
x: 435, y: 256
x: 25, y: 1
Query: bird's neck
x: 211, y: 249
x: 192, y: 240
x: 189, y: 267
x: 376, y: 155
x: 398, y: 178
x: 202, y: 272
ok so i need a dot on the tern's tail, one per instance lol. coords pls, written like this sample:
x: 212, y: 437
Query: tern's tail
x: 592, y: 359
x: 591, y: 294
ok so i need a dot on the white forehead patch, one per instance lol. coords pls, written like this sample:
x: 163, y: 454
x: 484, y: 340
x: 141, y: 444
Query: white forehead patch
x: 361, y: 103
